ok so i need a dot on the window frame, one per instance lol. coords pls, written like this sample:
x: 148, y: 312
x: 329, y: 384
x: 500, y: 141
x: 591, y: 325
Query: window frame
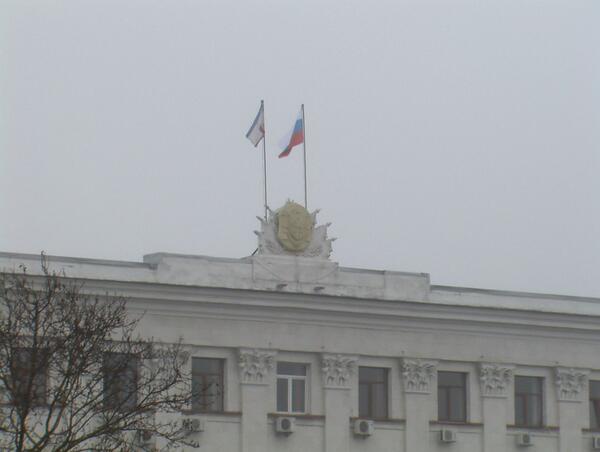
x: 385, y: 384
x: 465, y: 391
x: 524, y: 397
x: 131, y: 361
x: 19, y: 374
x: 594, y: 404
x: 290, y: 391
x: 221, y: 385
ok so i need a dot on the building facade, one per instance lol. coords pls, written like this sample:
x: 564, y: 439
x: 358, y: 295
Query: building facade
x: 311, y: 356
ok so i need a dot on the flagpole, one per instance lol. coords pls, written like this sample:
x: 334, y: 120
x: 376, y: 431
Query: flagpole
x: 304, y: 146
x: 262, y: 105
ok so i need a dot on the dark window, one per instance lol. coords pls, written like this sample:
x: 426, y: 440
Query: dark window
x: 595, y: 405
x: 120, y: 380
x: 452, y: 396
x: 373, y: 392
x: 207, y: 384
x: 29, y: 372
x: 529, y: 401
x: 291, y: 388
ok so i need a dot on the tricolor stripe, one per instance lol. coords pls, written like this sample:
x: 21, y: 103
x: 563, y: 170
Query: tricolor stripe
x: 293, y: 138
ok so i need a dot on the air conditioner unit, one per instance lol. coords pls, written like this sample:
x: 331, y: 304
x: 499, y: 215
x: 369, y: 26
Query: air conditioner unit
x: 363, y: 427
x: 145, y: 437
x: 448, y: 435
x: 596, y: 442
x: 284, y: 424
x: 524, y: 439
x: 192, y: 424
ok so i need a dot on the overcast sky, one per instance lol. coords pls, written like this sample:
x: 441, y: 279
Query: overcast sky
x: 457, y: 138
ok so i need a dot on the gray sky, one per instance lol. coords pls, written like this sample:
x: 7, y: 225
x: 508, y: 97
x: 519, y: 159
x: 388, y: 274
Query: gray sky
x: 458, y: 138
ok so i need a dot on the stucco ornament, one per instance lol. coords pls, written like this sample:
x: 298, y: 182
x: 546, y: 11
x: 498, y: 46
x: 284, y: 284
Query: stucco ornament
x: 571, y: 384
x: 417, y: 375
x: 255, y: 365
x: 291, y: 231
x: 495, y: 379
x: 338, y: 370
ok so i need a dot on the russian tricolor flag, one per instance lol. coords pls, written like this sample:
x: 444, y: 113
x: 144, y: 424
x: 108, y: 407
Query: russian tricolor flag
x: 294, y: 137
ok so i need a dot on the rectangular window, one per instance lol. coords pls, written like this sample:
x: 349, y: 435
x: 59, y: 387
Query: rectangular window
x: 207, y: 384
x: 291, y: 388
x: 452, y: 396
x: 121, y: 373
x: 529, y: 401
x: 595, y: 405
x: 29, y: 375
x: 373, y: 392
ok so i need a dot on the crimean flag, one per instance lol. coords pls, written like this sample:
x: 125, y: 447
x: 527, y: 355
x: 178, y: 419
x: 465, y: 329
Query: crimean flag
x: 257, y: 129
x: 294, y: 137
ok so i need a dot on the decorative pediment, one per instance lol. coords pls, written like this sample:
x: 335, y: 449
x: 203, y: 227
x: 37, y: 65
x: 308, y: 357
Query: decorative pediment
x: 571, y: 384
x: 495, y: 379
x: 338, y: 370
x: 417, y: 375
x: 255, y: 365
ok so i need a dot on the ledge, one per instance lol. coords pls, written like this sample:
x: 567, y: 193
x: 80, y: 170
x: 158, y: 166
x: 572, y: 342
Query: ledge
x: 210, y: 413
x: 543, y: 428
x: 590, y: 430
x: 456, y: 424
x: 387, y: 420
x: 306, y: 416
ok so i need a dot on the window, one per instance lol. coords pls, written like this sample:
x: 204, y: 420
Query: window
x: 120, y: 380
x: 595, y: 405
x: 291, y: 388
x: 529, y: 401
x: 373, y: 392
x: 207, y: 384
x: 29, y: 372
x: 452, y: 396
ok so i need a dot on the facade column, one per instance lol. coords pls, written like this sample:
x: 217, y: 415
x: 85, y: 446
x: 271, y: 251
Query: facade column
x: 571, y: 385
x: 255, y: 367
x: 338, y: 371
x: 417, y: 376
x: 496, y: 380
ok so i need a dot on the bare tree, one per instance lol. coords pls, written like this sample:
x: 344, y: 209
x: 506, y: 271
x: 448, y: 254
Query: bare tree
x: 75, y: 376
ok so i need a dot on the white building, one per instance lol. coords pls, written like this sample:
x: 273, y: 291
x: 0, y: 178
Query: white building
x: 301, y: 344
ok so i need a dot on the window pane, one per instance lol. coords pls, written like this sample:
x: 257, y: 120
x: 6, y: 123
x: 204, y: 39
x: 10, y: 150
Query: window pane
x: 372, y: 374
x: 457, y: 405
x: 298, y: 396
x: 528, y: 385
x: 534, y: 410
x: 456, y: 379
x: 291, y: 369
x: 443, y: 408
x: 519, y: 411
x: 26, y: 363
x: 529, y: 403
x: 379, y: 392
x: 120, y: 380
x: 594, y: 389
x: 282, y: 395
x: 595, y: 414
x: 363, y: 400
x: 207, y: 384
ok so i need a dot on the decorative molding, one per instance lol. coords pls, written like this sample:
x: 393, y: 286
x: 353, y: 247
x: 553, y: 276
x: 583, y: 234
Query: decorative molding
x: 496, y: 379
x: 338, y: 370
x: 571, y: 384
x: 417, y: 375
x: 255, y: 365
x: 269, y: 242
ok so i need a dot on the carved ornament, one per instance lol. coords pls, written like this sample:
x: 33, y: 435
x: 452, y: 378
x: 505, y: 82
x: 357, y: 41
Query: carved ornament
x: 417, y: 375
x: 255, y: 365
x: 496, y: 379
x: 338, y: 370
x: 571, y: 384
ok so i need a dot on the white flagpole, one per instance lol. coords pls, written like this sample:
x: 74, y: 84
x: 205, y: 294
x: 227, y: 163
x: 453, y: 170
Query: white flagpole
x: 262, y: 106
x: 304, y: 146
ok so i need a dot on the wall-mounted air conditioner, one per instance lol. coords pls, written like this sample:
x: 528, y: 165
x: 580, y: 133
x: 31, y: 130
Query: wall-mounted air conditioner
x: 192, y: 424
x: 447, y: 435
x: 524, y: 439
x: 363, y: 427
x: 596, y: 443
x: 285, y: 424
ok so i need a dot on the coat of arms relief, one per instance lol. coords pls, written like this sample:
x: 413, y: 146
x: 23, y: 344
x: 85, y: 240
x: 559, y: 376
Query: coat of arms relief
x: 291, y: 230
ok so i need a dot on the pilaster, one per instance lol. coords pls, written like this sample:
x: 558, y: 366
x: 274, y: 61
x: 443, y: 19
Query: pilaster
x: 571, y: 385
x: 256, y: 369
x: 496, y: 381
x: 339, y: 372
x: 417, y: 380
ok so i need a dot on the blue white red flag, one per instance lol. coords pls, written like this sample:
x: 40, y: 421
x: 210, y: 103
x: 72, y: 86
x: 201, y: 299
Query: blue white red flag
x: 257, y: 129
x: 294, y: 137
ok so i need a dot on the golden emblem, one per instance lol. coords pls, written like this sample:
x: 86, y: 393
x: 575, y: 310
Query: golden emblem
x: 294, y: 227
